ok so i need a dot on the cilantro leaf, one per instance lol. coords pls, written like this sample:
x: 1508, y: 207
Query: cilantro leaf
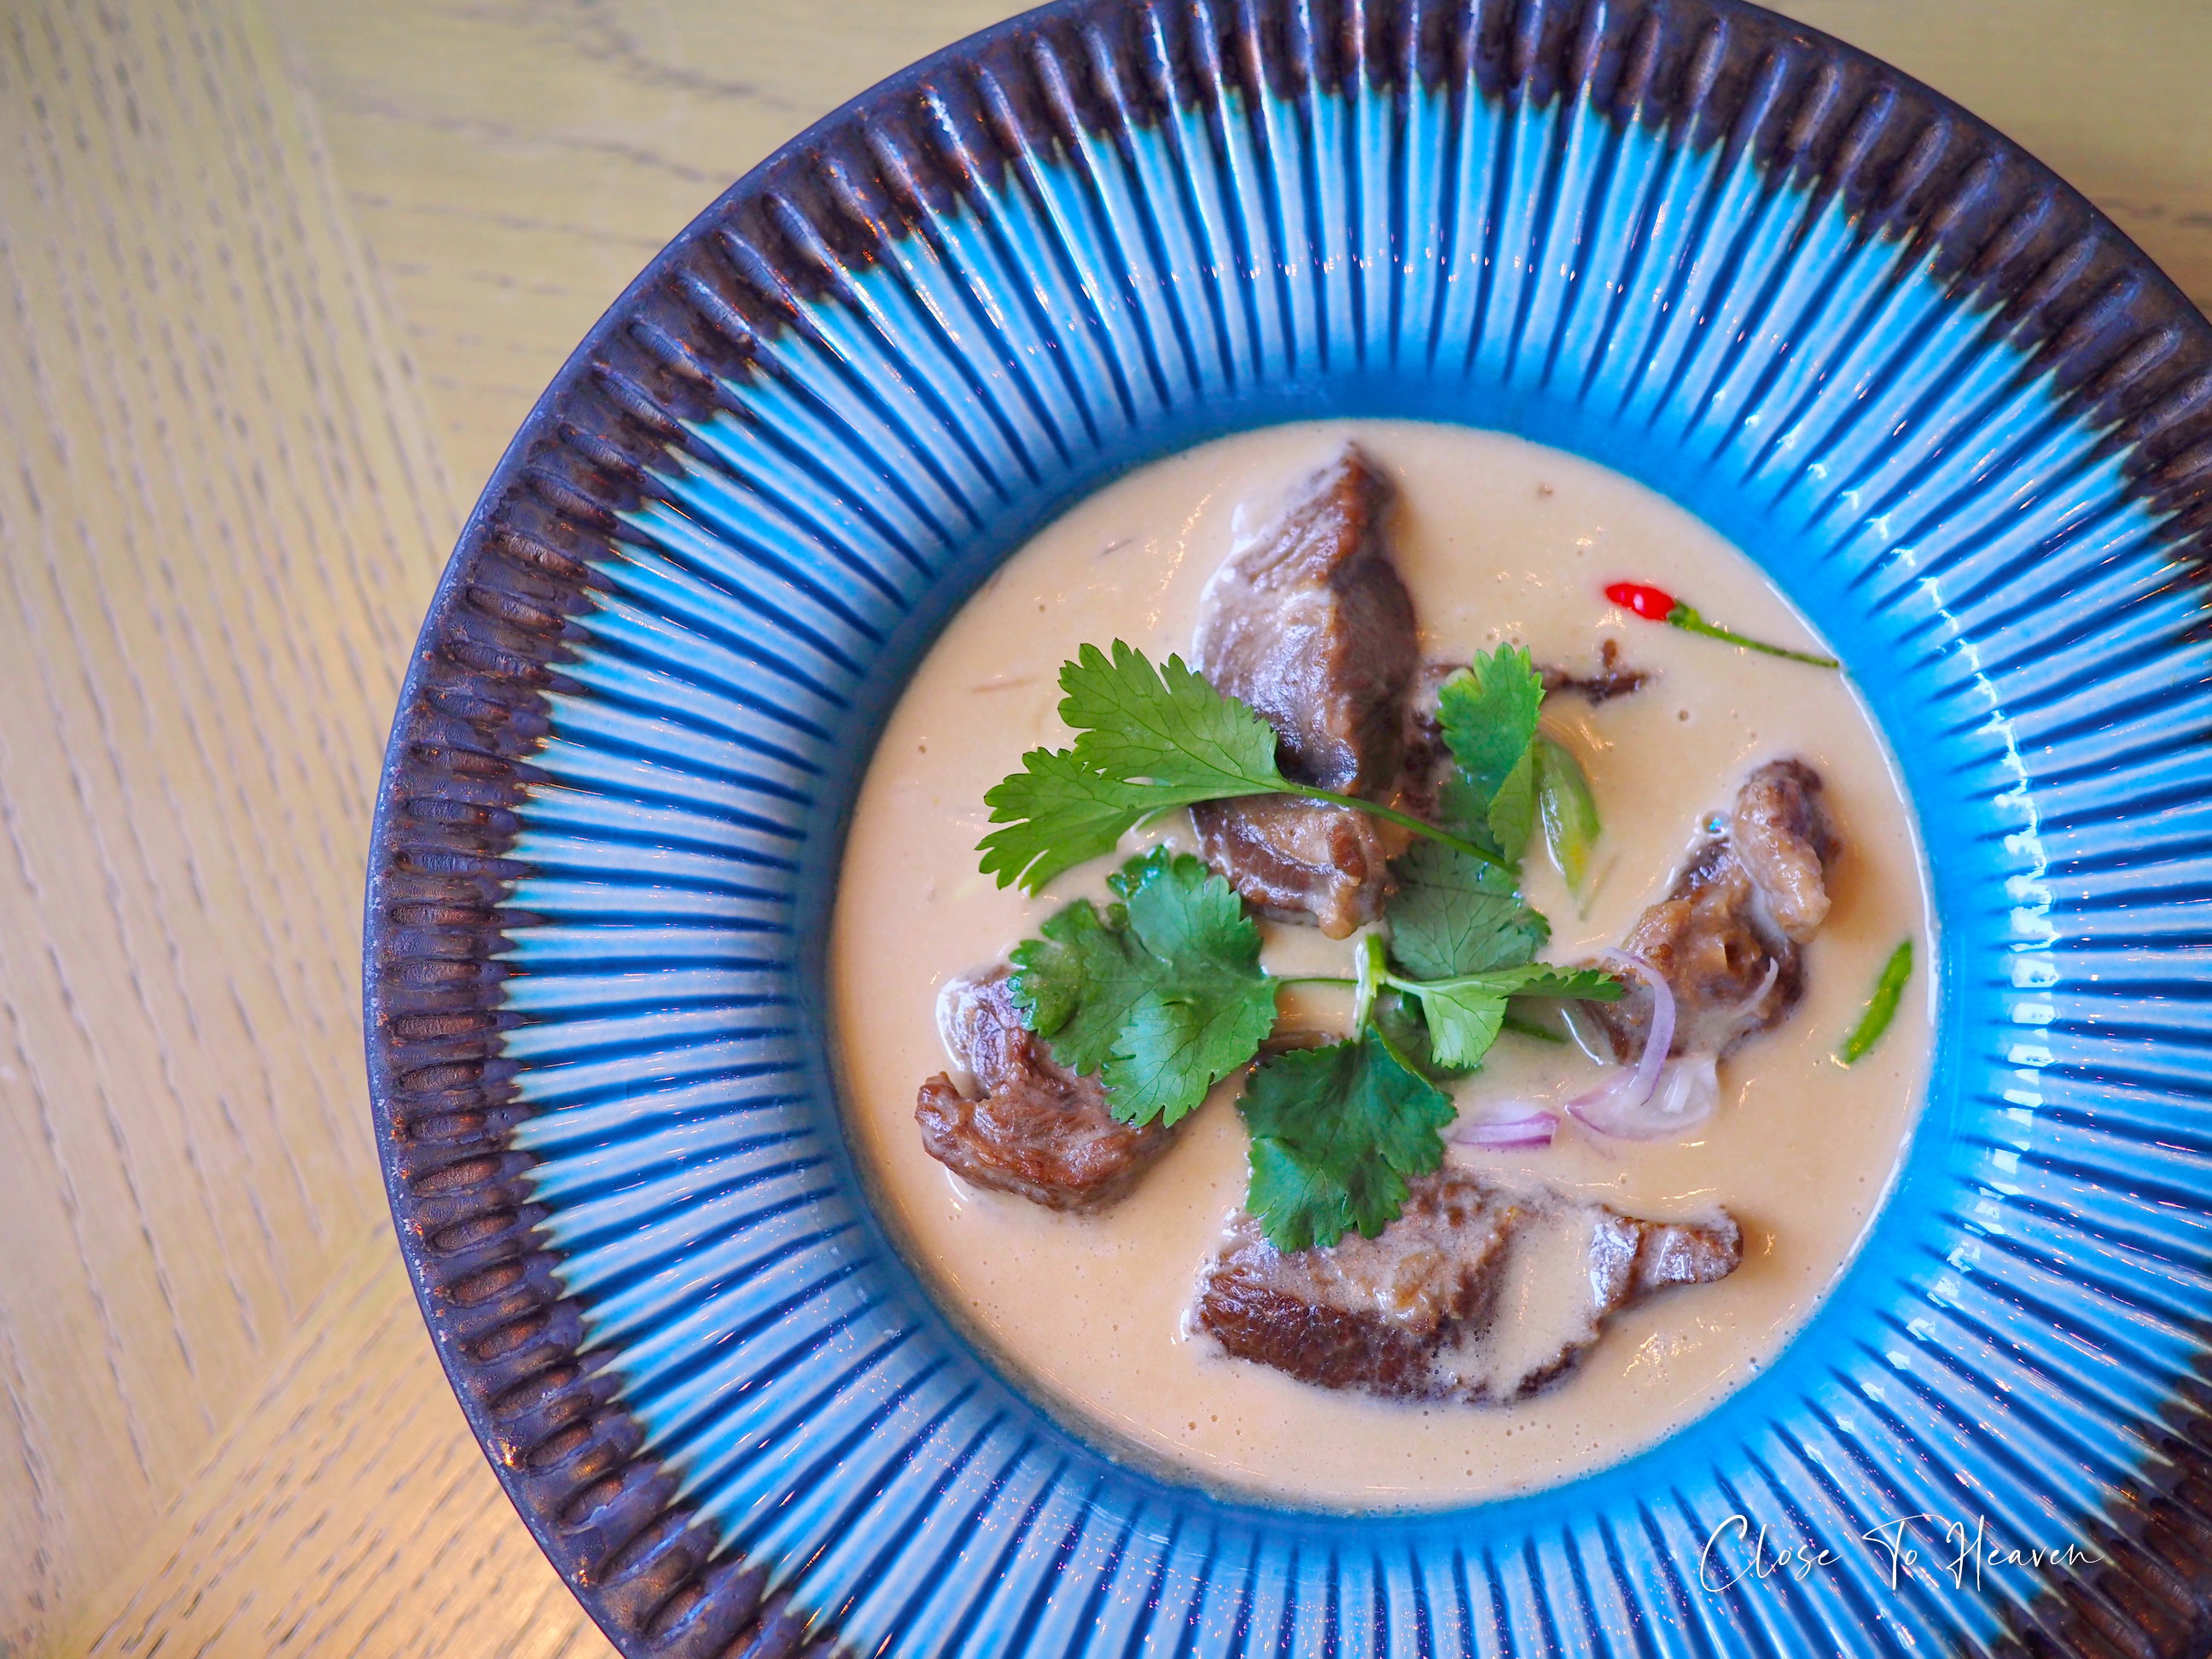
x: 1465, y: 1014
x: 1076, y: 985
x: 1336, y: 1133
x: 1463, y: 1022
x: 1061, y: 813
x: 1463, y: 808
x: 1513, y: 809
x: 1488, y: 713
x: 1182, y: 908
x: 1398, y: 1017
x: 1452, y: 914
x: 1161, y: 997
x: 1146, y: 740
x: 1168, y: 723
x: 1174, y: 1049
x: 1541, y: 979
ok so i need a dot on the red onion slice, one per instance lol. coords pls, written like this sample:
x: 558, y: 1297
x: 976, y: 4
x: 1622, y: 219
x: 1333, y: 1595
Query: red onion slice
x: 1660, y: 1099
x: 1616, y: 1106
x: 1505, y: 1123
x: 1685, y: 1093
x: 1689, y: 1093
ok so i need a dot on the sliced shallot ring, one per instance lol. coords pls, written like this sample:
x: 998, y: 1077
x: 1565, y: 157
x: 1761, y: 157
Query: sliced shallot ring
x: 1688, y: 1090
x: 1615, y: 1106
x: 1684, y: 1094
x: 1689, y: 1093
x: 1506, y: 1123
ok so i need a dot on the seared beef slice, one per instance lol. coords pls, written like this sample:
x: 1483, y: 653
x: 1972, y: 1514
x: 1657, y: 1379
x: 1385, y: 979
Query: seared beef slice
x: 1475, y: 1293
x: 1036, y: 1129
x: 1728, y: 938
x: 1310, y: 626
x: 1614, y: 678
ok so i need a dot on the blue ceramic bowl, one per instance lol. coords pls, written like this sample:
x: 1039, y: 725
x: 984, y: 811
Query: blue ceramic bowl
x: 1952, y: 413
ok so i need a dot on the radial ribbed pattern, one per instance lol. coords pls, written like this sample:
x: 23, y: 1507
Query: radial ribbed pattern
x: 1943, y: 406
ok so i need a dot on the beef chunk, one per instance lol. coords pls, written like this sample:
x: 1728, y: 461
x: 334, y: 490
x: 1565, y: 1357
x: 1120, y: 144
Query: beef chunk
x: 1786, y: 844
x: 1613, y: 678
x: 1036, y: 1129
x: 1299, y: 861
x: 1728, y: 938
x: 1475, y: 1293
x: 1310, y: 626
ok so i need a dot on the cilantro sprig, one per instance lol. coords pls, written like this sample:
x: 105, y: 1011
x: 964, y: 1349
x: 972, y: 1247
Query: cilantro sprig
x: 1338, y: 1132
x: 1148, y: 739
x: 1465, y: 1013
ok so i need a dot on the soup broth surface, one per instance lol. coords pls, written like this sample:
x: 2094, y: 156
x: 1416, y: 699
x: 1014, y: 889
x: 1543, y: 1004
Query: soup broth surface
x: 1498, y: 539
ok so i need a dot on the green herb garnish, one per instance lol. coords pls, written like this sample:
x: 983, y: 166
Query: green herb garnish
x: 1881, y: 1006
x: 1162, y: 996
x: 1488, y: 713
x: 1146, y: 740
x: 1337, y: 1132
x: 1465, y: 1015
x: 1452, y: 916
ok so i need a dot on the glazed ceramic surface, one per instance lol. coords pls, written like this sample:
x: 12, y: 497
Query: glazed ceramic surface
x: 1954, y: 415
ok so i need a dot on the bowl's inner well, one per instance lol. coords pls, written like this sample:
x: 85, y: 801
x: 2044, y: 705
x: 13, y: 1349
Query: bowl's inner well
x: 1498, y: 539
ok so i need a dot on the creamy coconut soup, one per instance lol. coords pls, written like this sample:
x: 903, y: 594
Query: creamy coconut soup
x: 1496, y: 540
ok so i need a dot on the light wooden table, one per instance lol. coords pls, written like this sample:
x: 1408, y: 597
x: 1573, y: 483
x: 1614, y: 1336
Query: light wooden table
x: 279, y: 277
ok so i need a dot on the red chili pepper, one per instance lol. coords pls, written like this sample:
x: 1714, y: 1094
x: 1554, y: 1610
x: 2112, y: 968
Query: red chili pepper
x: 1658, y: 605
x: 1652, y: 604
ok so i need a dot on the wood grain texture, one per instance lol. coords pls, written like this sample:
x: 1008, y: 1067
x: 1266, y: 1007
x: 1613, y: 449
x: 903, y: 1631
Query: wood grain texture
x: 219, y: 518
x: 280, y: 277
x: 350, y: 1513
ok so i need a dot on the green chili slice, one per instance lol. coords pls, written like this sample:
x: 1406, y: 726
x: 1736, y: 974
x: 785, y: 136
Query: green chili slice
x: 1881, y: 1006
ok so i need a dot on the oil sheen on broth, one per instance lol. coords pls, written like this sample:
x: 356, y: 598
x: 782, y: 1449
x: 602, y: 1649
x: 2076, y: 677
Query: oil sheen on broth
x: 1498, y: 539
